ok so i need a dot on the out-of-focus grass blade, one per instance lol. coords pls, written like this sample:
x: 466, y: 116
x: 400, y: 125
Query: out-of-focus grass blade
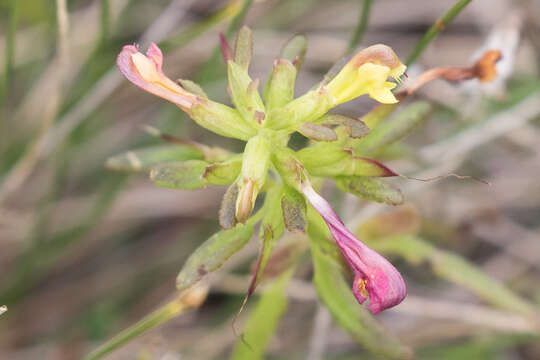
x: 263, y: 321
x: 454, y: 268
x: 337, y: 295
x: 211, y: 254
x: 142, y: 159
x: 394, y: 128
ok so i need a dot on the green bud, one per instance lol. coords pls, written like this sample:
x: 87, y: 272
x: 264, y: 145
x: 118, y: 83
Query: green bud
x: 370, y: 189
x: 279, y: 89
x: 142, y: 159
x: 288, y: 166
x: 245, y: 94
x: 243, y: 48
x: 221, y: 119
x: 227, y: 211
x: 253, y: 175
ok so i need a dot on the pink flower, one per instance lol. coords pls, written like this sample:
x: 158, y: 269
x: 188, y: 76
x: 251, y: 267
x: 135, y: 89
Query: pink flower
x: 145, y: 72
x: 374, y: 276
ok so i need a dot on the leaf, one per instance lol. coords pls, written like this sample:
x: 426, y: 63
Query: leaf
x: 142, y: 159
x: 213, y: 253
x: 224, y: 172
x: 179, y: 175
x: 370, y: 189
x: 317, y: 132
x: 279, y: 88
x: 295, y: 50
x: 355, y: 127
x: 337, y: 296
x: 293, y: 206
x: 227, y: 210
x: 243, y: 48
x: 263, y: 321
x: 193, y: 87
x: 454, y: 268
x: 396, y: 127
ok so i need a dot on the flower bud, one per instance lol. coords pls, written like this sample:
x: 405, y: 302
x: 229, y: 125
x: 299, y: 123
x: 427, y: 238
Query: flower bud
x: 244, y: 93
x: 366, y: 73
x: 279, y: 89
x: 253, y: 175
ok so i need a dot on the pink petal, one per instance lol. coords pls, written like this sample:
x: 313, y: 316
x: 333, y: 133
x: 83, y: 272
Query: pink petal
x: 374, y: 275
x: 163, y: 86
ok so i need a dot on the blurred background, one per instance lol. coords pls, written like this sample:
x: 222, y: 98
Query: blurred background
x: 86, y: 252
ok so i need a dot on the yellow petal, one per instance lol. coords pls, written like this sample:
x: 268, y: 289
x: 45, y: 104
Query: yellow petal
x: 383, y: 95
x: 145, y: 67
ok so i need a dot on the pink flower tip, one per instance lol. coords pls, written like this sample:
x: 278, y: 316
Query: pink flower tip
x: 145, y: 71
x: 374, y: 277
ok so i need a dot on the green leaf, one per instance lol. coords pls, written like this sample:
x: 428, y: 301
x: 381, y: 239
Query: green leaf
x: 263, y: 321
x: 142, y: 159
x: 337, y: 296
x: 370, y: 189
x: 279, y: 88
x: 213, y: 253
x: 394, y: 128
x: 179, y: 175
x: 317, y: 132
x: 454, y: 268
x: 295, y: 50
x: 243, y: 48
x: 224, y: 172
x: 244, y: 93
x: 193, y: 87
x: 293, y: 205
x: 227, y: 210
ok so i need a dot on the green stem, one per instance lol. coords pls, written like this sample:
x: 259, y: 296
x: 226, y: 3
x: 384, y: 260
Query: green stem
x: 155, y: 318
x: 361, y: 27
x: 435, y: 29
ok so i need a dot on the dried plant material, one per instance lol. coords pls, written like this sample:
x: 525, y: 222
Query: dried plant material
x: 483, y: 70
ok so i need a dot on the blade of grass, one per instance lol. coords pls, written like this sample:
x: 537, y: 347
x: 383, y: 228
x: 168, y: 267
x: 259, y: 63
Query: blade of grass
x: 361, y: 27
x: 435, y: 29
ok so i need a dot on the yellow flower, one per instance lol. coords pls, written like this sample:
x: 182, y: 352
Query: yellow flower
x: 366, y: 73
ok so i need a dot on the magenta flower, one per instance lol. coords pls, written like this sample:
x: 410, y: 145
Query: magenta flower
x: 374, y: 276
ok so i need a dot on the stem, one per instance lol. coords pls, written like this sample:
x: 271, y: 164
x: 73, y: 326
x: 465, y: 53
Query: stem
x: 435, y: 29
x: 361, y: 27
x: 191, y: 299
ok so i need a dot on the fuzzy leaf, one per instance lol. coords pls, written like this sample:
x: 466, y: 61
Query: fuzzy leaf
x: 293, y: 205
x: 396, y: 127
x: 223, y: 173
x: 179, y: 175
x: 244, y: 92
x: 227, y: 211
x: 370, y: 189
x: 243, y: 47
x: 317, y: 132
x: 212, y: 254
x: 294, y: 50
x: 355, y: 128
x: 263, y: 321
x: 454, y: 268
x: 193, y: 87
x: 142, y: 159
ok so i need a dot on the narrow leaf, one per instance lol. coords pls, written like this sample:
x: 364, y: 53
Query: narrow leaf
x: 179, y: 175
x: 355, y: 127
x: 243, y: 48
x: 293, y: 205
x: 370, y: 189
x: 142, y: 159
x: 263, y: 322
x: 317, y: 132
x: 213, y: 253
x: 223, y: 173
x: 227, y: 211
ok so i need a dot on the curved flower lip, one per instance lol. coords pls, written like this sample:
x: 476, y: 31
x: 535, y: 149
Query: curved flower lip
x: 146, y: 72
x: 374, y: 276
x: 366, y: 73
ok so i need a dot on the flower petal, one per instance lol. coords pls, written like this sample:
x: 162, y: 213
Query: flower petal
x: 374, y: 277
x: 146, y: 72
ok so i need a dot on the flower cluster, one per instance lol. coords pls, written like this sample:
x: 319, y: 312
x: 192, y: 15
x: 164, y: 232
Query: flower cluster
x: 266, y: 123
